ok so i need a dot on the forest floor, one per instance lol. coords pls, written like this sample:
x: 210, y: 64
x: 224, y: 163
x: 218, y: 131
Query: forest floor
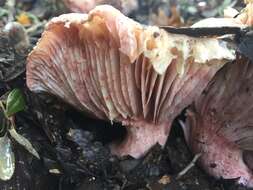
x: 82, y: 160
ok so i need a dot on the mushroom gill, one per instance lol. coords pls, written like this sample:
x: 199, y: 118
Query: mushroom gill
x: 220, y: 124
x: 116, y: 69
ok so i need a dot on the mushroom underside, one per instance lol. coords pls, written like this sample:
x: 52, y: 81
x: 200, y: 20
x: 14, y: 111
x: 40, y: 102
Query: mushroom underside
x: 96, y: 63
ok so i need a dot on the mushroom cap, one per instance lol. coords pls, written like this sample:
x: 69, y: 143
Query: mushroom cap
x: 114, y: 68
x: 219, y: 125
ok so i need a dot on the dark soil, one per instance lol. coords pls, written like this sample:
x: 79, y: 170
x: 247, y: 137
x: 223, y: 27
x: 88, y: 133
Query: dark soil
x: 73, y: 148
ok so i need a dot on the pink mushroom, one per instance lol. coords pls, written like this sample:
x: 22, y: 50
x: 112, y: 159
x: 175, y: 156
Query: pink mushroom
x: 116, y: 69
x: 220, y: 124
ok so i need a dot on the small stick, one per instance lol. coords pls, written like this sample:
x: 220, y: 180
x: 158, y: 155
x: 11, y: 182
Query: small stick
x: 189, y: 166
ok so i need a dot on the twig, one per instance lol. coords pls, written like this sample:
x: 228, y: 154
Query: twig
x: 189, y: 166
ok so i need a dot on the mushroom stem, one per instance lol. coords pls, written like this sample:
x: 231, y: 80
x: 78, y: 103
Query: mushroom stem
x: 222, y: 158
x: 220, y: 123
x: 141, y: 136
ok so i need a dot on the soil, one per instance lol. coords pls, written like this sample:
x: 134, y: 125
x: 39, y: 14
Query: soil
x: 73, y: 148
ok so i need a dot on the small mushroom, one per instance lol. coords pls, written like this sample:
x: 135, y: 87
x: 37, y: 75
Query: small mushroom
x: 113, y: 68
x: 220, y: 124
x: 17, y: 36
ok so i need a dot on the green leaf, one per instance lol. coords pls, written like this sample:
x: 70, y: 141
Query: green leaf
x: 15, y: 102
x: 24, y: 142
x: 3, y: 12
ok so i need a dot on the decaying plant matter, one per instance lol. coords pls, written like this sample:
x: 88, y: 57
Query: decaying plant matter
x: 220, y: 124
x: 114, y: 68
x: 8, y: 108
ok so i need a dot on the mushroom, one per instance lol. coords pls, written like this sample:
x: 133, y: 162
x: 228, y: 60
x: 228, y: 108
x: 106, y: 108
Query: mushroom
x: 17, y: 36
x: 113, y: 68
x: 220, y: 124
x: 84, y: 6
